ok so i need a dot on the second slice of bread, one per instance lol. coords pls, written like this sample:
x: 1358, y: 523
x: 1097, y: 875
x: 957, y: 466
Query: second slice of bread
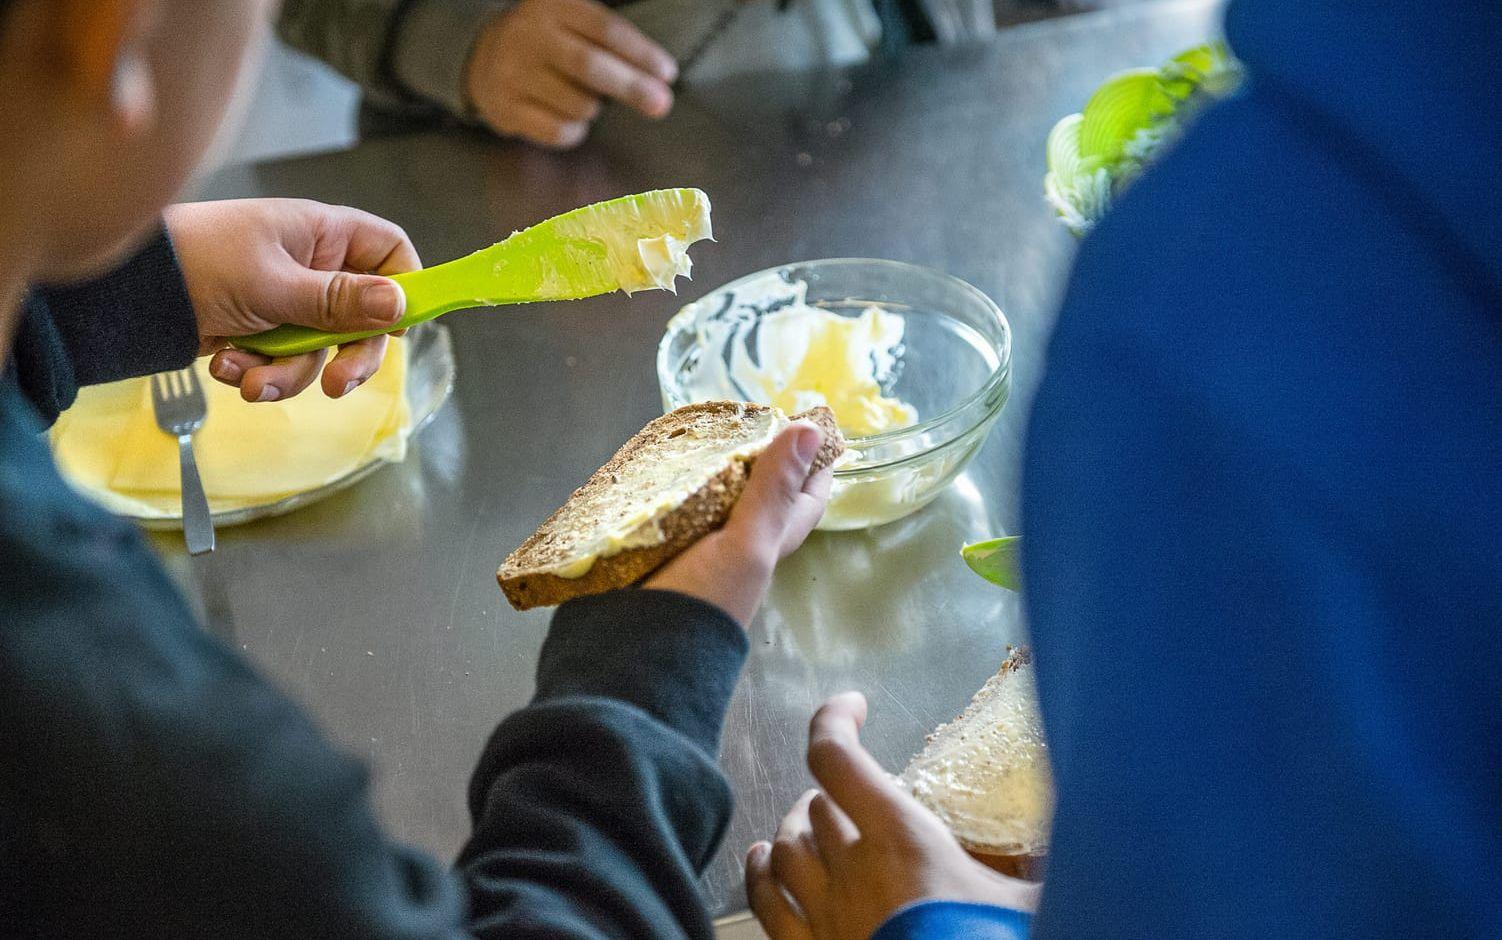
x: 986, y: 774
x: 729, y: 435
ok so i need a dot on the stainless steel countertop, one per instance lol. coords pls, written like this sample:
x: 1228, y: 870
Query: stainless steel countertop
x: 378, y: 608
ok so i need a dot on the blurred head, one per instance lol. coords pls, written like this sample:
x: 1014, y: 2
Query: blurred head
x: 108, y: 106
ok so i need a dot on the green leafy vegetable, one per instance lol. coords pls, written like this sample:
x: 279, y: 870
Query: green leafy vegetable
x: 1127, y: 104
x: 1093, y: 155
x: 996, y: 561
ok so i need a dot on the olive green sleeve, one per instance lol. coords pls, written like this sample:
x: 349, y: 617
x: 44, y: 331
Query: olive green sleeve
x: 399, y: 51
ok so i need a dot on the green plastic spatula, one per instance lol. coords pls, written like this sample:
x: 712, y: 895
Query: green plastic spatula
x: 631, y: 243
x: 996, y: 560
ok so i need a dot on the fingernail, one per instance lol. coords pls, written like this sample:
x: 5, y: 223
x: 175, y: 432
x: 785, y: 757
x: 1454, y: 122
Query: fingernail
x: 381, y: 302
x: 350, y: 386
x: 656, y: 99
x: 226, y: 370
x: 667, y: 70
x: 269, y: 393
x: 810, y: 439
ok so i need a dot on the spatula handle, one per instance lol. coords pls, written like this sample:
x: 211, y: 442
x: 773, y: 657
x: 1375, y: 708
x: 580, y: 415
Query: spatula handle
x: 427, y: 297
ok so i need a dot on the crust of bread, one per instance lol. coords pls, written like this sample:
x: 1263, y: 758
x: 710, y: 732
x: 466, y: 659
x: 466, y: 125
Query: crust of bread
x: 528, y: 585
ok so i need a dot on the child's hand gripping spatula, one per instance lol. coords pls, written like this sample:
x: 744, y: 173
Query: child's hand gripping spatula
x: 631, y: 243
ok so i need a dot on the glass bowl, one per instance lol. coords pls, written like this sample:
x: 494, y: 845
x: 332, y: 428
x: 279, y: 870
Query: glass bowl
x: 953, y: 366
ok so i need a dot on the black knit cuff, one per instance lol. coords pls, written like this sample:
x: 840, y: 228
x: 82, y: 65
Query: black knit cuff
x: 133, y: 321
x: 673, y: 656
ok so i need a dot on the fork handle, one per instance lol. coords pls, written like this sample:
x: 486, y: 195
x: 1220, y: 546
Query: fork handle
x: 198, y: 525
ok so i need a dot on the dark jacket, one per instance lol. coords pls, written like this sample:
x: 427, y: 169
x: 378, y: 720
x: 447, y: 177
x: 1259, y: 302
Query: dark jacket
x: 153, y: 784
x: 1263, y: 502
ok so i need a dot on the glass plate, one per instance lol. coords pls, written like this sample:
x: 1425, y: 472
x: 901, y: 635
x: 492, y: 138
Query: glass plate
x: 430, y: 380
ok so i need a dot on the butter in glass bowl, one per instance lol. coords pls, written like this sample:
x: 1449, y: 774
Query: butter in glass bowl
x: 915, y: 364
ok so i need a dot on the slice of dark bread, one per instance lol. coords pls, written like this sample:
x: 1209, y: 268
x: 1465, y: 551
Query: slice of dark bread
x: 986, y: 774
x: 670, y: 485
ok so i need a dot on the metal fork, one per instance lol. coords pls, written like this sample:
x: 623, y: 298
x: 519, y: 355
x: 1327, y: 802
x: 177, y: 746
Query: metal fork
x: 177, y: 398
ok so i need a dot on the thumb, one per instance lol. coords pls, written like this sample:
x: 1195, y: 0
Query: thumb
x: 342, y: 302
x: 774, y: 496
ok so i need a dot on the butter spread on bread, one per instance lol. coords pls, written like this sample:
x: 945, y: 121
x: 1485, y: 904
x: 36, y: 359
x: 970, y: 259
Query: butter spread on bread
x: 670, y: 485
x: 986, y: 773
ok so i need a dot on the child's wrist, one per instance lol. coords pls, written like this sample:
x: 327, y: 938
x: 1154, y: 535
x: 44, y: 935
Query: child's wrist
x: 719, y: 573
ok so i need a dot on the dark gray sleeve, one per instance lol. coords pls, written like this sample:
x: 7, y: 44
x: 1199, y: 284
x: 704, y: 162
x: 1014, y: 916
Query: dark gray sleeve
x: 598, y: 806
x: 155, y: 785
x: 135, y: 320
x: 409, y: 53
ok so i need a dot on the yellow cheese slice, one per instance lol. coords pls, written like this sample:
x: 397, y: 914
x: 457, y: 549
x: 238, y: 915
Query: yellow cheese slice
x: 109, y: 445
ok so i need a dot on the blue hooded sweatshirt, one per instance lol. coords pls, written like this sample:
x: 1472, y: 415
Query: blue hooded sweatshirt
x: 1263, y: 502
